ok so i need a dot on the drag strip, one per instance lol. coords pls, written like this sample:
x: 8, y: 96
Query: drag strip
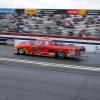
x: 24, y: 77
x: 92, y: 61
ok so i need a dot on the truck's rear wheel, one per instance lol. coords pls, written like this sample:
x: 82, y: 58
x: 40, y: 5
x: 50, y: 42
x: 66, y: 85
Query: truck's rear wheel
x: 60, y: 54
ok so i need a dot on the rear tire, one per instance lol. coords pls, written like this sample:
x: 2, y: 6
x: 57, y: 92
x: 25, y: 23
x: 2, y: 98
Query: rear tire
x: 60, y: 54
x: 21, y: 51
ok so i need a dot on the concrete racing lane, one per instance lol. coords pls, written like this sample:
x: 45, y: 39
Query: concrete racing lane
x: 92, y: 61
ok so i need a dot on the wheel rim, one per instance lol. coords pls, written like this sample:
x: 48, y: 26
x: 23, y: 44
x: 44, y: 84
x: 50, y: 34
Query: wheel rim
x: 21, y: 50
x: 61, y: 54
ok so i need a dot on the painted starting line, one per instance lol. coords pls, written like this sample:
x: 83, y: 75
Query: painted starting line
x: 49, y: 64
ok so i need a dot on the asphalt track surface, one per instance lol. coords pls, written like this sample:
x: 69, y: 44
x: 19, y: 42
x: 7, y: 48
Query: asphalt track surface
x: 19, y: 81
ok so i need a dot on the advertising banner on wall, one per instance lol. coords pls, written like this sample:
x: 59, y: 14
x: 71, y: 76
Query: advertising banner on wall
x: 93, y: 12
x: 30, y: 11
x: 19, y: 11
x: 5, y: 10
x: 82, y: 12
x: 53, y: 11
x: 73, y: 12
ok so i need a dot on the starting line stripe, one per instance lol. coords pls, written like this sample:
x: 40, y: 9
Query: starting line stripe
x: 50, y: 64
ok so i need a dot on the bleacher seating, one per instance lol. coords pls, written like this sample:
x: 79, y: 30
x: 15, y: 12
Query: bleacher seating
x: 51, y: 25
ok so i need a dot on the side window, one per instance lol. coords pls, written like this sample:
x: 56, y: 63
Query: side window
x: 46, y: 43
x: 54, y: 42
x: 38, y: 42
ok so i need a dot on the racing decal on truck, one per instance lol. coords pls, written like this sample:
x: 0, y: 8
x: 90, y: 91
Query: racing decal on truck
x: 71, y: 53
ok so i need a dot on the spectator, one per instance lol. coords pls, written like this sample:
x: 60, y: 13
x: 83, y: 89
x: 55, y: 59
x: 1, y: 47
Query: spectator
x: 70, y: 33
x: 82, y: 33
x: 27, y: 22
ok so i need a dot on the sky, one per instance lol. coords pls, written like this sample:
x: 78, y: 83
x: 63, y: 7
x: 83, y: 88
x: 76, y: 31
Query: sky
x: 51, y: 4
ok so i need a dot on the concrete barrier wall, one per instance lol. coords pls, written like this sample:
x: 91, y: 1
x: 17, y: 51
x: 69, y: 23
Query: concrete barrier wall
x: 91, y: 45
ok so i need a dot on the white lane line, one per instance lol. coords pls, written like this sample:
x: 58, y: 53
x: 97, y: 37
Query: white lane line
x: 28, y: 61
x: 50, y: 64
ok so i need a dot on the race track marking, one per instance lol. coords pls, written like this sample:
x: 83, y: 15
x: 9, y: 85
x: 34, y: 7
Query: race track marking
x: 50, y: 64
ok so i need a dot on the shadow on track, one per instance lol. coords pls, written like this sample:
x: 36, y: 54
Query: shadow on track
x: 75, y: 59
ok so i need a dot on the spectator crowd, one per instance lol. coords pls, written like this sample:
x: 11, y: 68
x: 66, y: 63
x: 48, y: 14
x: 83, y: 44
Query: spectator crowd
x: 64, y: 25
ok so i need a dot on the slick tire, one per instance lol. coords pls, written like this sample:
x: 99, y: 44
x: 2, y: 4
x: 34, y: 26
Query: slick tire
x: 60, y: 54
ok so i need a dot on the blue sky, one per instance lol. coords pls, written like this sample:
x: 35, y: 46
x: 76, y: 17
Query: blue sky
x: 51, y: 4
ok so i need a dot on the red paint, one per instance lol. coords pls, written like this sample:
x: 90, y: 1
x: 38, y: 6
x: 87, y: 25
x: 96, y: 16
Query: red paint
x: 48, y: 50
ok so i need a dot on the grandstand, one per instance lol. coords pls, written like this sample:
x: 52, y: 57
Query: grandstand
x: 63, y: 25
